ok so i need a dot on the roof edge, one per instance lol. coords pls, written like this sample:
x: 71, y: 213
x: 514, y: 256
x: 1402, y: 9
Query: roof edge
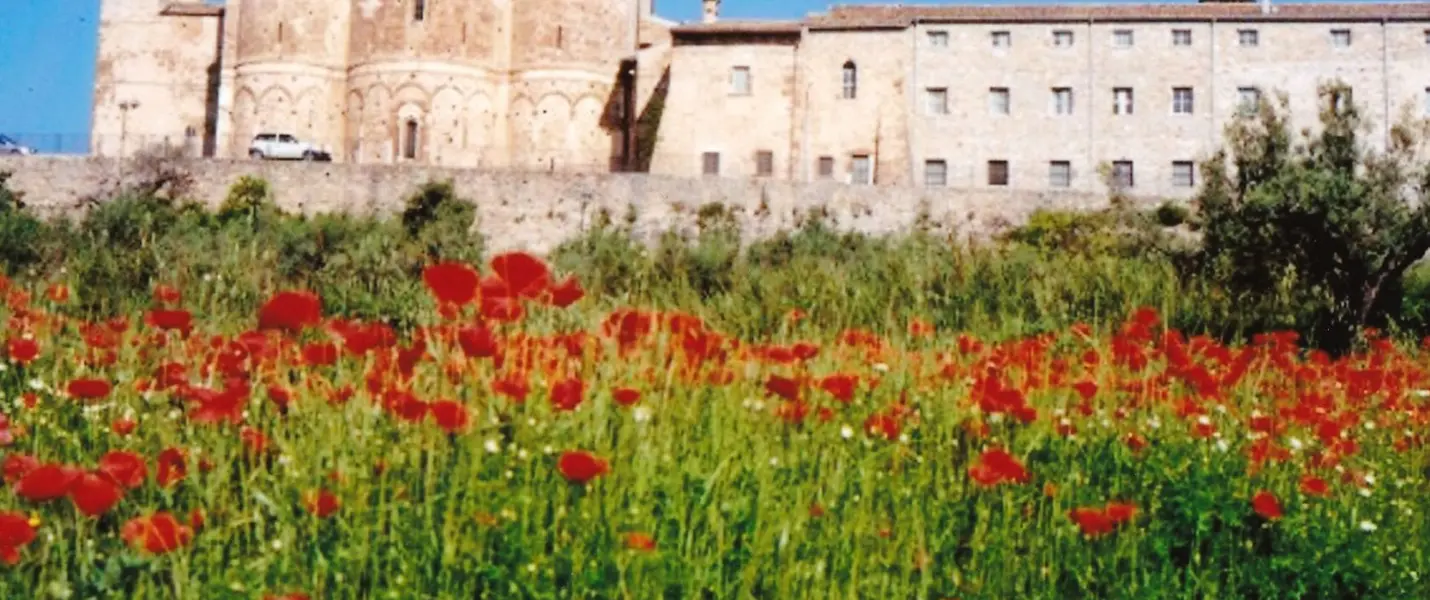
x: 191, y: 9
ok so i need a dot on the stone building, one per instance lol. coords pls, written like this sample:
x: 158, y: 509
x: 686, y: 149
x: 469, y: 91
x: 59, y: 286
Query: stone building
x: 1039, y: 97
x: 531, y: 84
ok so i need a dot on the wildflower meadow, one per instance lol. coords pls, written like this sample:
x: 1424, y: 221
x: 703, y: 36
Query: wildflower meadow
x: 529, y: 440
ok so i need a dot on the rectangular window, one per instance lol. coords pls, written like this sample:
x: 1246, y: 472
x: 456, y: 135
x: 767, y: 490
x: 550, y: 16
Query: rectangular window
x: 1427, y: 37
x: 1342, y: 100
x: 1121, y: 101
x: 935, y: 173
x: 1002, y: 39
x: 1182, y: 101
x: 936, y: 101
x: 710, y: 163
x: 1248, y: 99
x: 1248, y: 38
x: 1122, y: 38
x: 998, y: 172
x: 1181, y: 37
x: 861, y: 173
x: 1122, y: 173
x: 1062, y: 101
x: 938, y: 39
x: 850, y: 80
x: 999, y: 102
x: 1341, y: 38
x: 410, y: 152
x: 1062, y: 38
x: 1060, y: 174
x: 419, y: 10
x: 1427, y: 101
x: 826, y: 167
x: 740, y: 81
x: 1183, y: 174
x: 764, y: 163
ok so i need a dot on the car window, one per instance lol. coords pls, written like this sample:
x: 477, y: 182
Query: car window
x: 263, y: 137
x: 287, y: 138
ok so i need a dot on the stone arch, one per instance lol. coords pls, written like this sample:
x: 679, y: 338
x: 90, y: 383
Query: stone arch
x: 480, y: 122
x: 522, y: 122
x: 352, y: 123
x: 590, y: 144
x: 376, y: 123
x: 446, y: 126
x: 245, y: 108
x: 551, y: 124
x: 308, y: 116
x: 275, y: 110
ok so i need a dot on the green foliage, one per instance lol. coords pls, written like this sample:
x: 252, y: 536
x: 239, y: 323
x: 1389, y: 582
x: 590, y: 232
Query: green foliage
x: 1336, y: 222
x: 441, y: 224
x: 22, y: 236
x: 1171, y: 214
x: 249, y: 199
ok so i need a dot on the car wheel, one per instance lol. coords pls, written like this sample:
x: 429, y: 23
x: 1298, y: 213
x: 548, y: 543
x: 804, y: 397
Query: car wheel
x: 255, y: 154
x: 308, y: 156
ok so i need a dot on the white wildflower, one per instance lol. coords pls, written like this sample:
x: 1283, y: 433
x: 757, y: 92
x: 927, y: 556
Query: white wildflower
x: 846, y: 432
x: 492, y: 446
x: 1367, y: 526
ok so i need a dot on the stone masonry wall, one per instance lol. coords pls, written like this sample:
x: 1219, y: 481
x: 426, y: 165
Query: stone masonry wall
x: 537, y: 211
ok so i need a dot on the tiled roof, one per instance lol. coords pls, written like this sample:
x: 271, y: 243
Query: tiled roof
x: 894, y: 15
x: 738, y: 27
x: 192, y: 9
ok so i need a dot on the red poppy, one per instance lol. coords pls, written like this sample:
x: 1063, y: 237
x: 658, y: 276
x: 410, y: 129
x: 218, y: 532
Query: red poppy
x: 321, y: 503
x: 172, y: 467
x: 626, y: 396
x: 1266, y: 505
x: 521, y: 275
x: 292, y: 311
x: 450, y: 416
x: 94, y: 495
x: 19, y: 465
x: 88, y: 389
x: 123, y: 468
x: 23, y: 351
x: 996, y: 466
x: 841, y: 386
x: 15, y: 532
x: 567, y: 292
x: 641, y: 542
x: 566, y: 394
x: 157, y: 533
x: 167, y: 294
x: 1314, y: 486
x: 170, y: 320
x: 46, y: 482
x: 1093, y: 522
x: 320, y: 354
x: 513, y: 386
x: 123, y: 427
x: 579, y: 466
x: 451, y: 283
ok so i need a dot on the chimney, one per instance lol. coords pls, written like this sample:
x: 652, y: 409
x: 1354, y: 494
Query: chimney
x: 712, y: 11
x: 1265, y: 7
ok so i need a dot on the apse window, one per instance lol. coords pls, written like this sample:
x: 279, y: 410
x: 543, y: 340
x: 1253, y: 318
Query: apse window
x: 1183, y: 174
x: 862, y: 172
x: 1122, y: 38
x: 1060, y: 174
x: 1341, y: 38
x: 740, y: 81
x: 764, y: 163
x: 1002, y: 39
x: 419, y: 10
x: 409, y: 146
x: 826, y: 167
x: 935, y: 173
x: 1248, y: 38
x: 1062, y: 38
x: 1181, y: 37
x: 710, y: 163
x: 1122, y: 173
x: 998, y: 173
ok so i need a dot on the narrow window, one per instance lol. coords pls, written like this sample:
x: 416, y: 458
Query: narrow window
x: 410, y: 147
x: 861, y: 173
x: 1122, y: 38
x: 1182, y: 101
x: 999, y: 101
x: 1341, y: 38
x: 826, y: 167
x: 851, y: 80
x: 560, y: 37
x: 419, y: 10
x: 710, y: 163
x: 1062, y: 101
x: 1427, y: 101
x: 1249, y: 100
x: 1183, y: 174
x: 740, y: 81
x: 1121, y: 101
x: 1122, y: 173
x: 1248, y: 38
x: 1002, y: 39
x: 1060, y: 174
x: 1181, y: 37
x: 280, y: 33
x: 935, y: 173
x: 937, y: 101
x: 764, y: 163
x: 998, y: 172
x: 1062, y: 38
x: 938, y: 39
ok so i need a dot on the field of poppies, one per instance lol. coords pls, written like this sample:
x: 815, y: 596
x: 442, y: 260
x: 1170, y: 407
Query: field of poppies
x: 527, y: 441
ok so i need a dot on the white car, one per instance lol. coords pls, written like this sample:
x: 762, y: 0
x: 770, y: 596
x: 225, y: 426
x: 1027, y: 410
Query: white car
x: 283, y: 146
x: 8, y: 145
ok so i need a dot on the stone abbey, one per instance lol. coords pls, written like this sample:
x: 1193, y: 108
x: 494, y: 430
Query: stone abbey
x: 1036, y: 97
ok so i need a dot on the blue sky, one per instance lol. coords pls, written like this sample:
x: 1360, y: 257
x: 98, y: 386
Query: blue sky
x: 47, y: 52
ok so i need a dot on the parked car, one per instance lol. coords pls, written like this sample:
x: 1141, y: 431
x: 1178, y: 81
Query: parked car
x: 283, y: 146
x: 8, y: 145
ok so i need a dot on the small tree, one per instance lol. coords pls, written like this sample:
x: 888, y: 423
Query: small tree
x: 1340, y: 222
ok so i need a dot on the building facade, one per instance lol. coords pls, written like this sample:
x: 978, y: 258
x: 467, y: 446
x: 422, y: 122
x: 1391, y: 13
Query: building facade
x: 1046, y: 97
x: 535, y: 84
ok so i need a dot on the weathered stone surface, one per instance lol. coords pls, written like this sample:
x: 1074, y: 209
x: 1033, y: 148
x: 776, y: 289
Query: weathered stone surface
x: 537, y: 211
